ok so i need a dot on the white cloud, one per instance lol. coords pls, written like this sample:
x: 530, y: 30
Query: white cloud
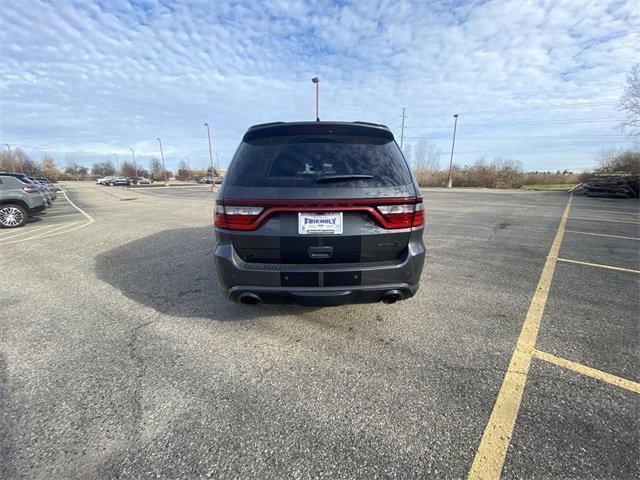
x: 100, y: 77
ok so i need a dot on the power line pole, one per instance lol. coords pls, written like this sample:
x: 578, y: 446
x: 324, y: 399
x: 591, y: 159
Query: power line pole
x: 402, y: 130
x: 210, y: 155
x: 453, y: 144
x: 164, y: 170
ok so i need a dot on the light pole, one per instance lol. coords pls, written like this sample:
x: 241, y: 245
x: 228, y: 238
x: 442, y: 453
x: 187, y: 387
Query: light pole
x: 210, y: 154
x: 316, y: 80
x: 164, y: 170
x: 217, y: 165
x: 453, y: 144
x: 117, y: 163
x: 135, y: 167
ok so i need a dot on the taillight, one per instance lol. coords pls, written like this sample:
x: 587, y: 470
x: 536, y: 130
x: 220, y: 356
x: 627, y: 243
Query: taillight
x: 30, y: 189
x: 391, y: 213
x: 236, y: 217
x: 403, y: 216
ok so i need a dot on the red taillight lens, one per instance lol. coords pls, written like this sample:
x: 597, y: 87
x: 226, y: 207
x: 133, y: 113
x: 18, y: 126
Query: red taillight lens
x: 391, y: 213
x: 236, y: 217
x: 30, y: 189
x: 403, y: 216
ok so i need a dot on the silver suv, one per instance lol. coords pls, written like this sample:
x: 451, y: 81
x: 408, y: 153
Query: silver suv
x: 319, y: 213
x: 18, y: 201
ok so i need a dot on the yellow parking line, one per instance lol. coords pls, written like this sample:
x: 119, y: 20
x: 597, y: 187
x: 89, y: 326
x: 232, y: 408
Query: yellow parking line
x: 24, y: 231
x: 598, y: 265
x: 602, y: 235
x: 604, y: 220
x: 588, y: 371
x: 491, y: 453
x: 39, y: 235
x: 46, y: 234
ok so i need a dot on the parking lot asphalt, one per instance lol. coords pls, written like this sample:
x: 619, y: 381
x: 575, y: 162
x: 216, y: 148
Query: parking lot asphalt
x: 119, y: 357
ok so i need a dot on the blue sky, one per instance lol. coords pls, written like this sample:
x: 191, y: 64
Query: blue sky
x: 534, y: 81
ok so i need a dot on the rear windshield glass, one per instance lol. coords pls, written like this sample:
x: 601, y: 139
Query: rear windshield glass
x: 311, y: 160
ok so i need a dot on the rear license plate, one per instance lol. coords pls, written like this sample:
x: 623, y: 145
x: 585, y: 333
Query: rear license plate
x: 325, y: 223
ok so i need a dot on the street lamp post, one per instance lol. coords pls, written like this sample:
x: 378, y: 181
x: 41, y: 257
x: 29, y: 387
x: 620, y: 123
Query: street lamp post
x: 117, y: 163
x: 135, y: 167
x: 316, y: 80
x: 164, y: 170
x: 453, y: 144
x: 210, y: 154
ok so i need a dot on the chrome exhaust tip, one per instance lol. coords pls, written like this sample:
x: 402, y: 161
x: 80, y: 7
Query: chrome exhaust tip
x: 249, y: 298
x: 392, y: 296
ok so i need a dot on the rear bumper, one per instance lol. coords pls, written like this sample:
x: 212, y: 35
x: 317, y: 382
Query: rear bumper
x: 323, y: 297
x: 320, y: 284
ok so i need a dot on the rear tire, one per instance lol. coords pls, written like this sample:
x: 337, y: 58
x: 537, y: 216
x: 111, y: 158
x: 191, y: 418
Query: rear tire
x: 12, y: 216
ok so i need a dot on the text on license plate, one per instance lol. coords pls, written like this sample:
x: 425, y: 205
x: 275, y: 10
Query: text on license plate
x: 328, y: 223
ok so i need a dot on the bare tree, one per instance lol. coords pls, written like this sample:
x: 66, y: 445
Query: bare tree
x: 183, y: 171
x: 432, y: 163
x: 74, y: 169
x: 420, y: 156
x: 615, y: 160
x: 426, y: 157
x: 30, y: 167
x: 630, y: 102
x: 103, y: 169
x: 128, y: 170
x: 49, y: 168
x: 407, y: 153
x: 155, y: 169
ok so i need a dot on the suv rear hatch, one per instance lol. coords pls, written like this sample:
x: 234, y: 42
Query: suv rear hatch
x: 319, y: 193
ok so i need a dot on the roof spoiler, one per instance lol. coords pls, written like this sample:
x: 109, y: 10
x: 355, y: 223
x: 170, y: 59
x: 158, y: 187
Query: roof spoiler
x: 282, y: 129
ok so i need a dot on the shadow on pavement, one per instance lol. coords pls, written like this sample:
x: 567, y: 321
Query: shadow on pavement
x: 173, y: 272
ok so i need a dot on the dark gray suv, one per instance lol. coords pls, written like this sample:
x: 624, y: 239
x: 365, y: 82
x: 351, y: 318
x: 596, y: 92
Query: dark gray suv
x: 319, y: 213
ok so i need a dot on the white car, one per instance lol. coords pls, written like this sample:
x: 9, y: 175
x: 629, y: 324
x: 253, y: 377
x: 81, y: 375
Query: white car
x: 104, y: 180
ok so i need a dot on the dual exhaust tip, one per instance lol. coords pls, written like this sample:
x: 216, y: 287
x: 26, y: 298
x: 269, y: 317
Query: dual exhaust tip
x: 389, y: 297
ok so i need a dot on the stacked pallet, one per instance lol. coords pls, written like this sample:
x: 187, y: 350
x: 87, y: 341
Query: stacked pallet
x: 610, y: 185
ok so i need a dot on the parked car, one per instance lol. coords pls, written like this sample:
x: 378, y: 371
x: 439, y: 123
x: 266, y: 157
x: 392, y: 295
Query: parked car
x: 218, y: 180
x: 105, y: 180
x: 205, y: 179
x: 118, y: 181
x: 18, y: 201
x: 52, y: 185
x: 319, y: 213
x: 144, y: 181
x: 44, y: 192
x: 47, y: 186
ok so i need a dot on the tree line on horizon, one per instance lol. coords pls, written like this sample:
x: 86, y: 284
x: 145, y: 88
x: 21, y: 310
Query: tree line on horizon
x: 20, y: 162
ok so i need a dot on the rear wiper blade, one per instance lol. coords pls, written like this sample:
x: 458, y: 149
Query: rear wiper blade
x: 340, y: 178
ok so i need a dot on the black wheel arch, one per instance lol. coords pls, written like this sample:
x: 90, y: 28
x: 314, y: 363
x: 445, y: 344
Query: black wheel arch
x: 15, y: 201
